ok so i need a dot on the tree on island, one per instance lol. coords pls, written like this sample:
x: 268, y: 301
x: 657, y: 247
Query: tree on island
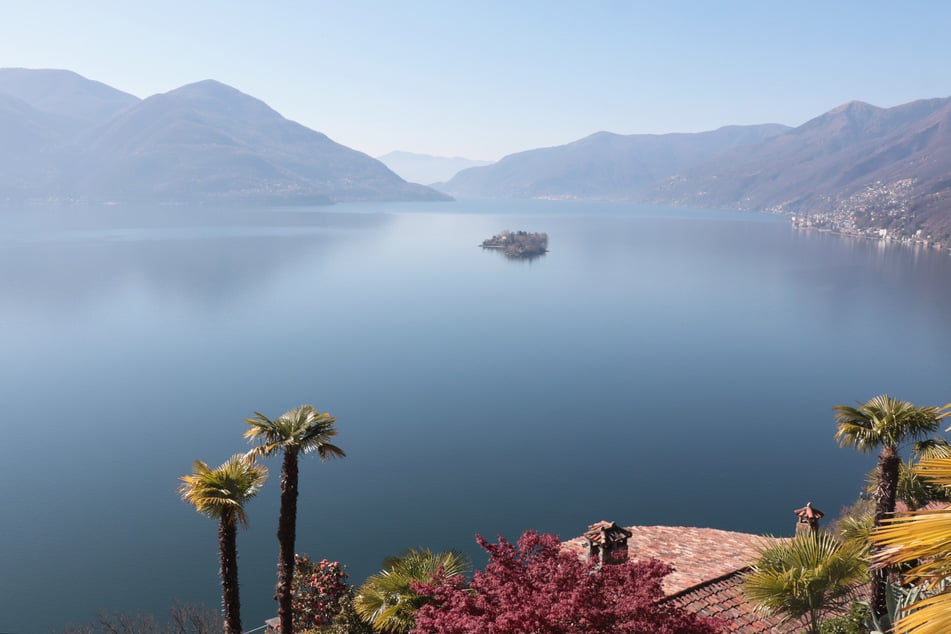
x: 302, y: 430
x: 518, y: 244
x: 533, y: 586
x: 885, y: 422
x: 221, y: 493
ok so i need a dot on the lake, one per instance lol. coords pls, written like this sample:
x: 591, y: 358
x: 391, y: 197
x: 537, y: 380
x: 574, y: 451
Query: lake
x: 656, y: 367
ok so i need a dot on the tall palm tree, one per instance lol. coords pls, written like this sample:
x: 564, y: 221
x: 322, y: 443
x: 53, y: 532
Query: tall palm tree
x: 805, y: 577
x: 885, y: 422
x: 387, y: 600
x: 221, y: 493
x: 921, y: 539
x: 302, y: 430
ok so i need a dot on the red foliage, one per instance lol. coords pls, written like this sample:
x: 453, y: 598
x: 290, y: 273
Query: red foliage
x: 317, y: 590
x: 534, y: 587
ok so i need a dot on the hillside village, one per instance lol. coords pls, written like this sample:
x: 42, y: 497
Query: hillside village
x: 880, y: 211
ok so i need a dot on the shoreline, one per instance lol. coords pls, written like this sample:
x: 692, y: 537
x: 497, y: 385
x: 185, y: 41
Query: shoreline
x: 882, y: 236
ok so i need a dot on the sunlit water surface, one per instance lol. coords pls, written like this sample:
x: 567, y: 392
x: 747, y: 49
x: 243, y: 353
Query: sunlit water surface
x: 656, y: 367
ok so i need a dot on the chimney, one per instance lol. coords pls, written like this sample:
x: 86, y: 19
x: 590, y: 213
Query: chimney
x: 607, y: 542
x: 808, y: 519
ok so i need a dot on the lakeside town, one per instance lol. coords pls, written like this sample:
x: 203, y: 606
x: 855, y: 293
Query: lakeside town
x: 881, y: 211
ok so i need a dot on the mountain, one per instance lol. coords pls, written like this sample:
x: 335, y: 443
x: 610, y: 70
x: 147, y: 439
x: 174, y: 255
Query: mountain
x: 210, y: 141
x: 877, y: 167
x: 603, y: 165
x: 71, y: 98
x: 41, y: 113
x: 27, y: 135
x: 75, y: 139
x: 426, y: 169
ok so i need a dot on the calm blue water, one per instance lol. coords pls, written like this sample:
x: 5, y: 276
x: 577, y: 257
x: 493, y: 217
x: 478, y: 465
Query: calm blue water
x: 656, y: 367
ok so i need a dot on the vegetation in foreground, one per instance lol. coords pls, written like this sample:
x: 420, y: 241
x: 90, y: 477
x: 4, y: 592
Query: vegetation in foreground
x: 920, y: 542
x: 533, y: 586
x: 184, y: 618
x: 302, y: 430
x: 885, y: 422
x: 905, y: 555
x: 807, y: 578
x: 221, y: 493
x: 389, y: 600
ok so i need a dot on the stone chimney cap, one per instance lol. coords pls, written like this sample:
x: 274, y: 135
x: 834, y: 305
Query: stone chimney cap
x: 808, y: 513
x: 601, y: 533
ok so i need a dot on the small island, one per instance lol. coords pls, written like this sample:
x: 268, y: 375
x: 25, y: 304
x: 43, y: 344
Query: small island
x: 518, y: 244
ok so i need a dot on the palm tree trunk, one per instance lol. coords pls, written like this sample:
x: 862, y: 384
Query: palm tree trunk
x: 228, y: 556
x: 885, y: 495
x: 286, y: 534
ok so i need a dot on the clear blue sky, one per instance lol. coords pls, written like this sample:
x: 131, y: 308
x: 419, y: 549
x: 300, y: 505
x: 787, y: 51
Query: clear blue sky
x: 486, y: 78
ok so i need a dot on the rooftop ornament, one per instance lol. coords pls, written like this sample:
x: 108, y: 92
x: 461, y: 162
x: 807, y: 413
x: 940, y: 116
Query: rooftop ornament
x: 607, y: 542
x: 808, y: 518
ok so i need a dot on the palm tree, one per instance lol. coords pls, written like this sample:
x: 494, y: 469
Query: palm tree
x: 387, y: 600
x: 221, y: 493
x: 302, y: 430
x: 921, y: 539
x: 805, y: 577
x: 885, y: 422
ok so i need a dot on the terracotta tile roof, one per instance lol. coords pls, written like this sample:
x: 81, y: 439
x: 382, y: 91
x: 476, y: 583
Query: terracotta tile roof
x: 722, y: 598
x: 697, y: 554
x: 708, y: 568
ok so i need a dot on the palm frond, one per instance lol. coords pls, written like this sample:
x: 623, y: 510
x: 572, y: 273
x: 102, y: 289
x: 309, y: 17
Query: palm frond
x: 933, y: 448
x: 921, y: 539
x: 222, y: 492
x: 805, y: 576
x: 303, y: 429
x: 387, y: 600
x: 931, y: 615
x: 885, y: 421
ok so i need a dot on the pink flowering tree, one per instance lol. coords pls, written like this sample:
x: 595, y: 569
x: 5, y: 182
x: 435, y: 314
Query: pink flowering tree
x: 532, y: 587
x: 316, y: 590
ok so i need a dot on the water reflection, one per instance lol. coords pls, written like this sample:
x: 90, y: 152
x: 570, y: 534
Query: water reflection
x: 485, y: 393
x: 62, y: 259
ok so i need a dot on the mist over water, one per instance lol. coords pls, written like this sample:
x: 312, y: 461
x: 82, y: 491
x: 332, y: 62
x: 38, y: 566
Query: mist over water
x: 656, y: 367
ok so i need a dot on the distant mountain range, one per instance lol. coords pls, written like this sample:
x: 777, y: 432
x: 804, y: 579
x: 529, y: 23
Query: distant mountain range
x: 856, y: 169
x: 67, y: 138
x: 602, y: 166
x: 427, y: 169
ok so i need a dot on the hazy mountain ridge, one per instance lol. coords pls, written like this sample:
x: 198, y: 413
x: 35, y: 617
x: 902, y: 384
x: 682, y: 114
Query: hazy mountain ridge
x: 604, y: 165
x: 204, y: 142
x: 856, y: 168
x: 65, y: 95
